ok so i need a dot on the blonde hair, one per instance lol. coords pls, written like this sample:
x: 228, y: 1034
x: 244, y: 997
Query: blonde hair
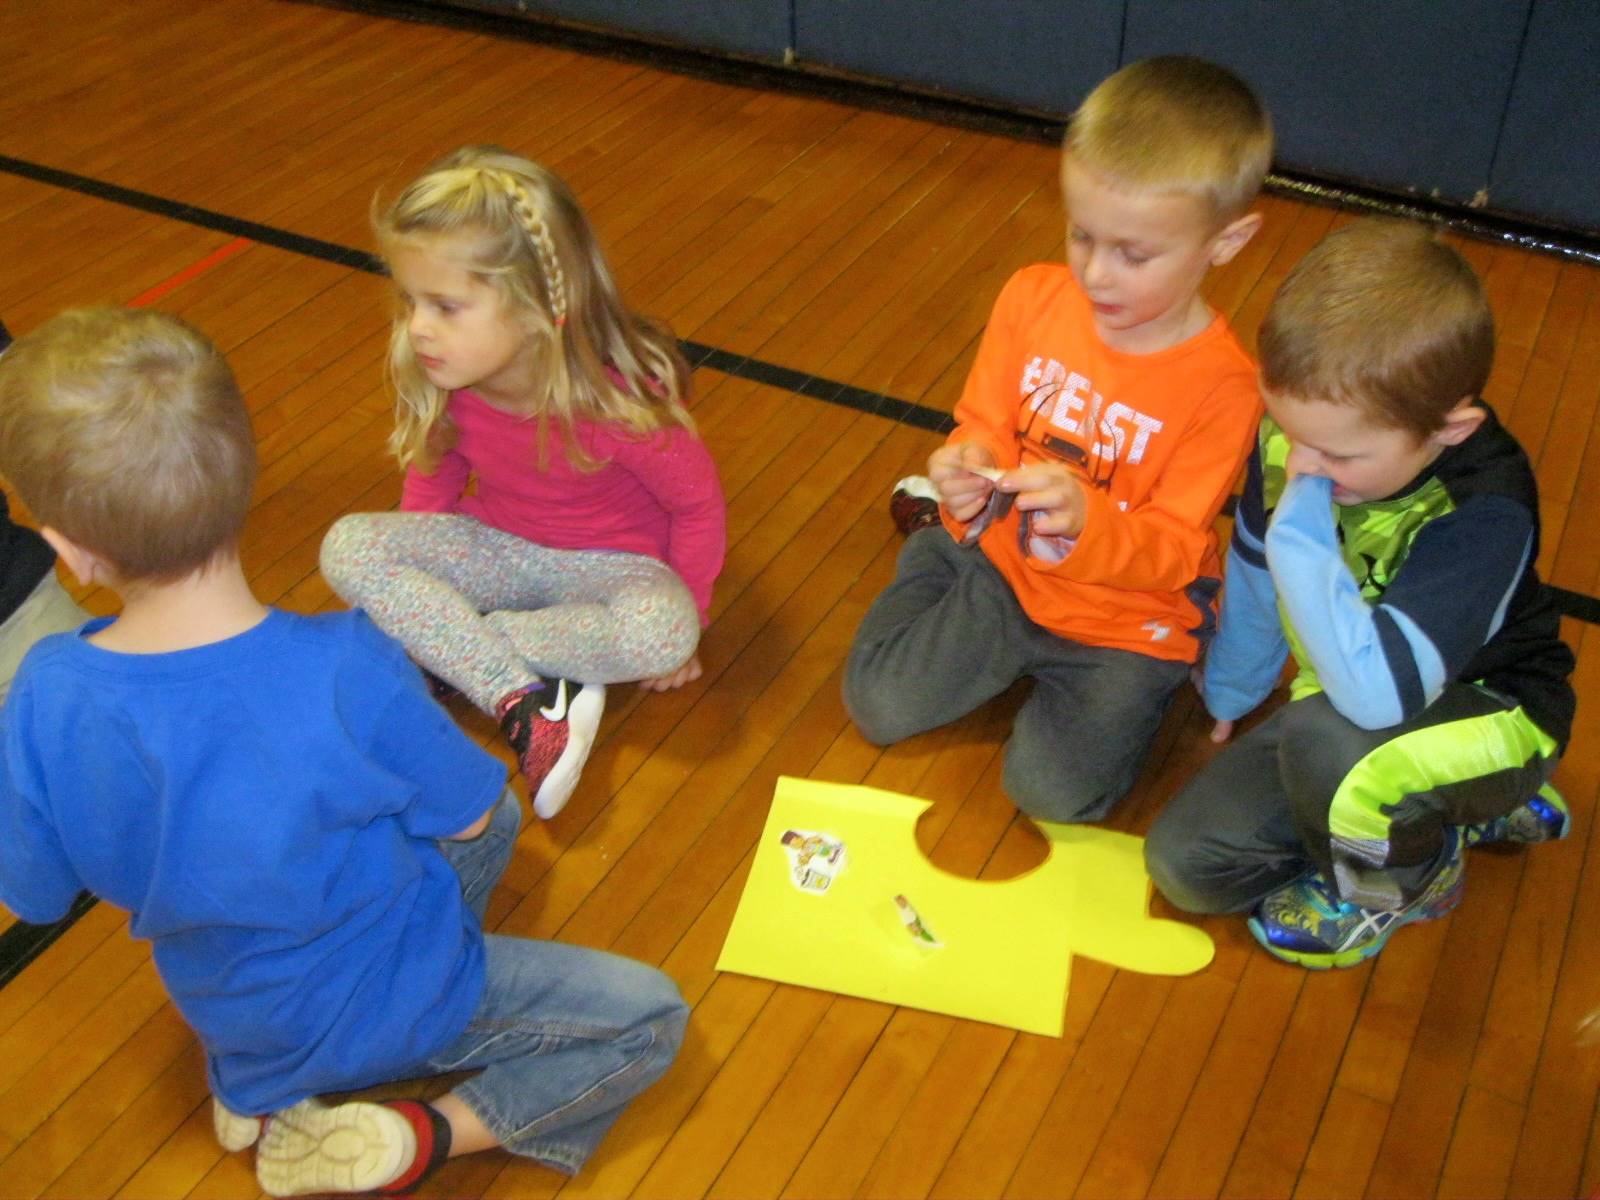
x: 517, y: 227
x: 1382, y: 316
x: 125, y: 431
x: 1176, y: 124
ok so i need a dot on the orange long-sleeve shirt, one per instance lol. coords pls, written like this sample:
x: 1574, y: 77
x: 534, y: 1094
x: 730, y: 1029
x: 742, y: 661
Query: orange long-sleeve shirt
x: 1164, y: 434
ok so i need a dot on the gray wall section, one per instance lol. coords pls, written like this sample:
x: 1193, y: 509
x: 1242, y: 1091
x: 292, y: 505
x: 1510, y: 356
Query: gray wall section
x: 1456, y: 99
x: 1548, y: 160
x: 1402, y: 94
x: 1036, y: 54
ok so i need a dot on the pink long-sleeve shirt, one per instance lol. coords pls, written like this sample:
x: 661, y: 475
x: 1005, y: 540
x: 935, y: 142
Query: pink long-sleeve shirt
x: 657, y: 494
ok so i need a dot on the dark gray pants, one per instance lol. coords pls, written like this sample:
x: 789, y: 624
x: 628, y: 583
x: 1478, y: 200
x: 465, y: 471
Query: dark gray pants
x: 1265, y: 810
x: 948, y: 635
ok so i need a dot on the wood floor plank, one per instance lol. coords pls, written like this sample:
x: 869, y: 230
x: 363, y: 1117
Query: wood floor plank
x: 1218, y: 1108
x: 181, y: 1162
x: 1439, y: 1057
x: 1561, y: 1104
x: 46, y: 1084
x: 107, y: 1163
x: 82, y: 939
x: 79, y: 993
x: 1482, y: 1147
x: 1268, y: 1158
x: 57, y: 1140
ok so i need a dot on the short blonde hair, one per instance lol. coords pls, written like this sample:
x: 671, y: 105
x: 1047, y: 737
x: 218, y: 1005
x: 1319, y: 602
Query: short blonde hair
x: 516, y: 226
x: 1179, y: 125
x: 1382, y: 316
x: 125, y: 431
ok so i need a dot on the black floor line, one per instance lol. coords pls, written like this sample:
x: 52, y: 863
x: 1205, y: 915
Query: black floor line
x: 22, y: 943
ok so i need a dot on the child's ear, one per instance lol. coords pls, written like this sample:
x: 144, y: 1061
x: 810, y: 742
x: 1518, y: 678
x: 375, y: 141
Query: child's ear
x: 1461, y: 422
x: 1233, y: 237
x: 85, y: 564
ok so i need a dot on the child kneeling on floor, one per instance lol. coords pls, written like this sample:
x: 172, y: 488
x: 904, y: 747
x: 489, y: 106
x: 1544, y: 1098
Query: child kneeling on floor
x: 305, y: 838
x: 1393, y: 523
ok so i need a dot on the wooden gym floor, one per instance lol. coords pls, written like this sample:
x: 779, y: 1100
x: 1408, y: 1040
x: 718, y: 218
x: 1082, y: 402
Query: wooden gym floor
x: 840, y: 264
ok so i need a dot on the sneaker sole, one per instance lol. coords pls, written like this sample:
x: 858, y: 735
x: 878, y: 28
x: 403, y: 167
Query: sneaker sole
x: 583, y: 723
x: 356, y: 1147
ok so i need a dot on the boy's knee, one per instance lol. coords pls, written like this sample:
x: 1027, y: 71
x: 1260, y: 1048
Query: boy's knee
x: 1177, y: 866
x: 1046, y: 794
x: 506, y: 821
x: 667, y: 1015
x: 1317, y: 749
x: 872, y: 707
x: 1312, y: 728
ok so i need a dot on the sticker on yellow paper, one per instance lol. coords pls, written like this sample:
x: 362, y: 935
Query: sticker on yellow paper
x: 814, y: 859
x: 989, y: 951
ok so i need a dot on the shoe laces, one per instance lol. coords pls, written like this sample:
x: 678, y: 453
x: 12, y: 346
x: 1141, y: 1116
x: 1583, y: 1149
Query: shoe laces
x: 1326, y: 900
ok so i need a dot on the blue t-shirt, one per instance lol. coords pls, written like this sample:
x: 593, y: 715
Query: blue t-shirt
x: 265, y: 807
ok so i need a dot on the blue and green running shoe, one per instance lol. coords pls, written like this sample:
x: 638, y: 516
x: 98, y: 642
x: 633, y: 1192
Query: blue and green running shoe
x: 1305, y: 922
x: 1545, y: 818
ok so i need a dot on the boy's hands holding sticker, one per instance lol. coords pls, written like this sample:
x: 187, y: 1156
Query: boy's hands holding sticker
x: 964, y: 473
x: 1052, y: 492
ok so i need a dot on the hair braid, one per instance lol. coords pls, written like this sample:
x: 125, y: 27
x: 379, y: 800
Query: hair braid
x: 544, y: 245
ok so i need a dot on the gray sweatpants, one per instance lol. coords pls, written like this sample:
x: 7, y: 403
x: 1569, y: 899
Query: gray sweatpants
x: 948, y: 635
x: 491, y: 612
x: 1267, y: 809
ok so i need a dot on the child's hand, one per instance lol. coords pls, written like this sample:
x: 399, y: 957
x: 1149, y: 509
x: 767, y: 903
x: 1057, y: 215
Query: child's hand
x: 1222, y: 730
x: 688, y: 673
x: 960, y: 491
x: 1053, y: 494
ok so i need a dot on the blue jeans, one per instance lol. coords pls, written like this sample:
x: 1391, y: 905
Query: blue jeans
x: 564, y: 1036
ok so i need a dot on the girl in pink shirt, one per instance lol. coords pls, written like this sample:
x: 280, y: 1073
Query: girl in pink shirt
x: 561, y: 524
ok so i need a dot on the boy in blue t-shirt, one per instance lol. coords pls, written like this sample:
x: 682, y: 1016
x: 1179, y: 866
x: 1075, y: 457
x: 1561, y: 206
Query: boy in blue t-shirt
x: 302, y: 834
x: 1387, y: 537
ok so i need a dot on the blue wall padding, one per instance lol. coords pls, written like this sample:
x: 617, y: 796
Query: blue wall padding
x: 1549, y: 156
x: 1037, y: 54
x: 1404, y: 94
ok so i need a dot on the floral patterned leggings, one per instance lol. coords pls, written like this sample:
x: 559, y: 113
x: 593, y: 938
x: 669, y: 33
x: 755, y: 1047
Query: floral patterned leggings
x: 490, y: 612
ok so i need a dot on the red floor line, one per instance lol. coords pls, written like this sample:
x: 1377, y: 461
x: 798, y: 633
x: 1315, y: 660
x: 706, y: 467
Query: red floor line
x: 217, y: 257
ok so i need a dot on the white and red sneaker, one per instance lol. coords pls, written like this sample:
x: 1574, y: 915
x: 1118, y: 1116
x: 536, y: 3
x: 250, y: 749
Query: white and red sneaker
x: 914, y: 504
x: 552, y: 726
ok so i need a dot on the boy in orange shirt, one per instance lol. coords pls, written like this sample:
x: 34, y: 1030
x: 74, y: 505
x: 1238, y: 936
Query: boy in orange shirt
x: 1104, y: 422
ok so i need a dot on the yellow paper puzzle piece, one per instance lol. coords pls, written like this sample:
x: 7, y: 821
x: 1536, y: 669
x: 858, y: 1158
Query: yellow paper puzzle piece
x: 991, y: 951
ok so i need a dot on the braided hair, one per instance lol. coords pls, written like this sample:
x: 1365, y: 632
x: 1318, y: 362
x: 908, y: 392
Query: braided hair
x: 516, y: 226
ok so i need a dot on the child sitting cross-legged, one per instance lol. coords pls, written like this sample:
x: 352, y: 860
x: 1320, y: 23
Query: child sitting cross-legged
x: 561, y: 524
x: 1386, y: 537
x: 303, y: 836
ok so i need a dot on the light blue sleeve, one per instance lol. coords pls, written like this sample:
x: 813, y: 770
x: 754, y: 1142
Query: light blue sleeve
x: 1366, y: 657
x: 1246, y: 657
